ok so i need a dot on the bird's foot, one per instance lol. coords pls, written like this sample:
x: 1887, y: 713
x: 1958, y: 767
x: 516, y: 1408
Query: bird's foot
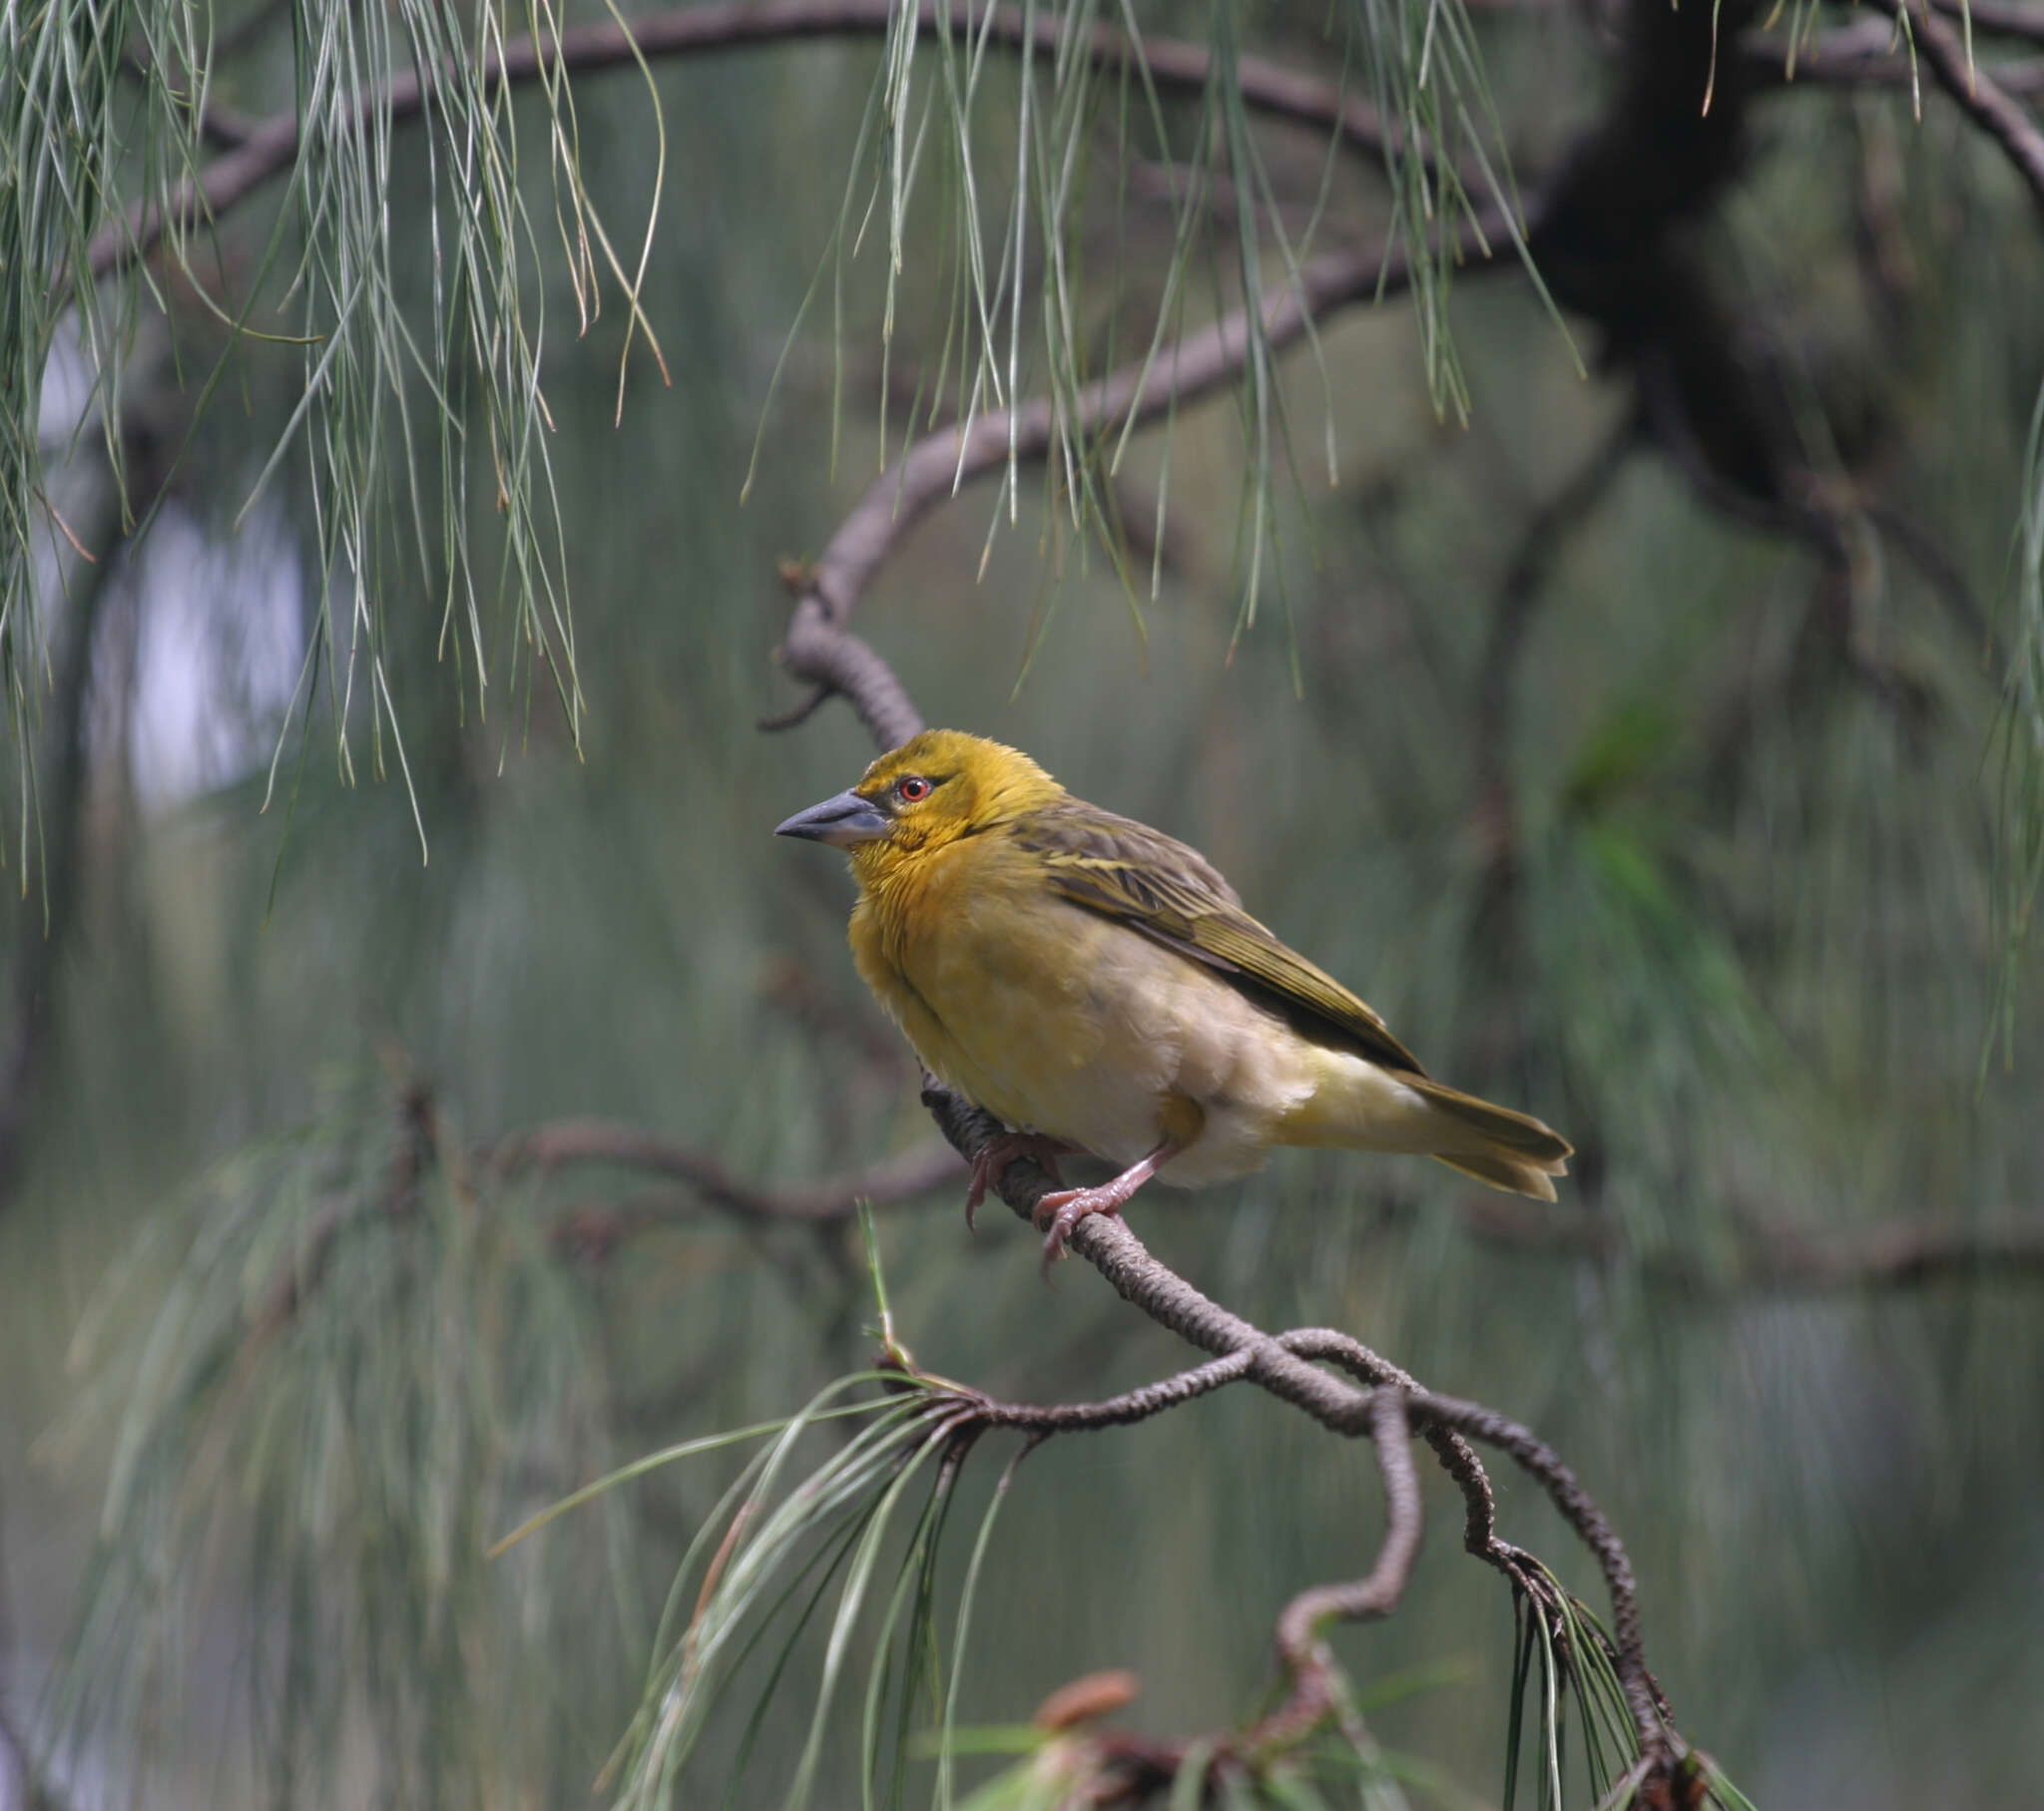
x: 1002, y: 1150
x: 1067, y: 1207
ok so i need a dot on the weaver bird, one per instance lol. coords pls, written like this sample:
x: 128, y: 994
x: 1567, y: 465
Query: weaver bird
x: 1097, y: 987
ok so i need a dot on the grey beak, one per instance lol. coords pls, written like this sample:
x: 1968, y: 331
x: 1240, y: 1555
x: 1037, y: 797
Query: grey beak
x: 841, y: 821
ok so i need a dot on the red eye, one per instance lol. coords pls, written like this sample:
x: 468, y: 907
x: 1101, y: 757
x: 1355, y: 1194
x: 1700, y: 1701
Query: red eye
x: 913, y: 789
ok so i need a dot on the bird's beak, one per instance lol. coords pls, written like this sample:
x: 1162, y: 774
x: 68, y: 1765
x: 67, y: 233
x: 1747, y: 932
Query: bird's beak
x: 841, y: 821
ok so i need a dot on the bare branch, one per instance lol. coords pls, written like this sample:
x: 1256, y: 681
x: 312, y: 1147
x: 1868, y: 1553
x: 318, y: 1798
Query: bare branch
x: 898, y: 1178
x: 1282, y: 1366
x: 1117, y: 1411
x: 817, y: 649
x: 268, y: 146
x: 1362, y: 1600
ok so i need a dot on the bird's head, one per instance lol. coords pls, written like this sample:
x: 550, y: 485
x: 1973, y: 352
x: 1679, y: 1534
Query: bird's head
x: 926, y: 794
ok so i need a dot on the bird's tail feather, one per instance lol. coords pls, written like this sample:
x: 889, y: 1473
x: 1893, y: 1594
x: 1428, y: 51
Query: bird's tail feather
x: 1509, y: 1151
x: 1512, y: 1175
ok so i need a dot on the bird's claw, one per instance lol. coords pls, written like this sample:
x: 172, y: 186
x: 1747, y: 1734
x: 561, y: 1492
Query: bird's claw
x: 1002, y: 1150
x: 1067, y: 1209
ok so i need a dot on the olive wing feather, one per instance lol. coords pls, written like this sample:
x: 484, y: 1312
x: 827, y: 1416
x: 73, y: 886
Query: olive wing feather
x: 1176, y: 897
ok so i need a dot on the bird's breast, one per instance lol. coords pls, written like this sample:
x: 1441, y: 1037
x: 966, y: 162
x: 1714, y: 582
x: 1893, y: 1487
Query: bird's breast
x: 1061, y: 1021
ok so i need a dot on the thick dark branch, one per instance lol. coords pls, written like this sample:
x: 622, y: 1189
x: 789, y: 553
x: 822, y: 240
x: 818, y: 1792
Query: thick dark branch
x: 1978, y: 94
x: 898, y: 1179
x: 268, y: 146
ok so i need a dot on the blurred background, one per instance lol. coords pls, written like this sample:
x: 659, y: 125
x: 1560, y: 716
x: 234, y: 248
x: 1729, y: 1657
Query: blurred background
x: 1636, y: 733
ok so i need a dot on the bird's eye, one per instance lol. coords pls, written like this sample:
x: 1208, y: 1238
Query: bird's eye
x: 912, y: 788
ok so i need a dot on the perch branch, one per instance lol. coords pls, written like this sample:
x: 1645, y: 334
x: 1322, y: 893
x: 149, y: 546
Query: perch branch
x: 1283, y: 1366
x: 270, y: 145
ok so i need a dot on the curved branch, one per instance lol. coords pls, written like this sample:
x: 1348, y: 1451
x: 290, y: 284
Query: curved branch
x: 1377, y: 1593
x: 270, y: 145
x: 817, y: 649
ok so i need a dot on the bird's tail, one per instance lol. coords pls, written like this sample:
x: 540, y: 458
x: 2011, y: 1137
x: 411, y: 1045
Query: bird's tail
x: 1509, y: 1151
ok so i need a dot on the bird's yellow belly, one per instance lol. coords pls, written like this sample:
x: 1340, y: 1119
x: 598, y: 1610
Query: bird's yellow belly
x: 1061, y: 1022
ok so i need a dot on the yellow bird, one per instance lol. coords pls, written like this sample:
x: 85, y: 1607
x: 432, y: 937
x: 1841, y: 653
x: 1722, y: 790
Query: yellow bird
x: 1097, y: 987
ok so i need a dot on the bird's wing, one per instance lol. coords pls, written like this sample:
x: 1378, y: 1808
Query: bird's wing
x: 1175, y: 896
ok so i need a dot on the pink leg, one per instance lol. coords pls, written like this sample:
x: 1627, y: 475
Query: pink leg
x: 1002, y: 1150
x: 1072, y: 1206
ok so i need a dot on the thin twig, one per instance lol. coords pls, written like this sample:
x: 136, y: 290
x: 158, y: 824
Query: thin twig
x: 1117, y: 1411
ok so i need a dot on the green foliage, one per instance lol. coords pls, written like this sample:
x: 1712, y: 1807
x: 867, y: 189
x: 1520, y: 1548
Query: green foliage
x: 410, y: 394
x: 342, y: 1361
x: 69, y: 125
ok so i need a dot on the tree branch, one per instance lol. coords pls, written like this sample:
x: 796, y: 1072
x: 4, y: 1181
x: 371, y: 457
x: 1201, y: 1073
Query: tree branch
x: 1283, y: 1365
x: 1977, y: 93
x: 270, y: 145
x: 819, y: 650
x: 564, y: 1141
x: 1367, y: 1598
